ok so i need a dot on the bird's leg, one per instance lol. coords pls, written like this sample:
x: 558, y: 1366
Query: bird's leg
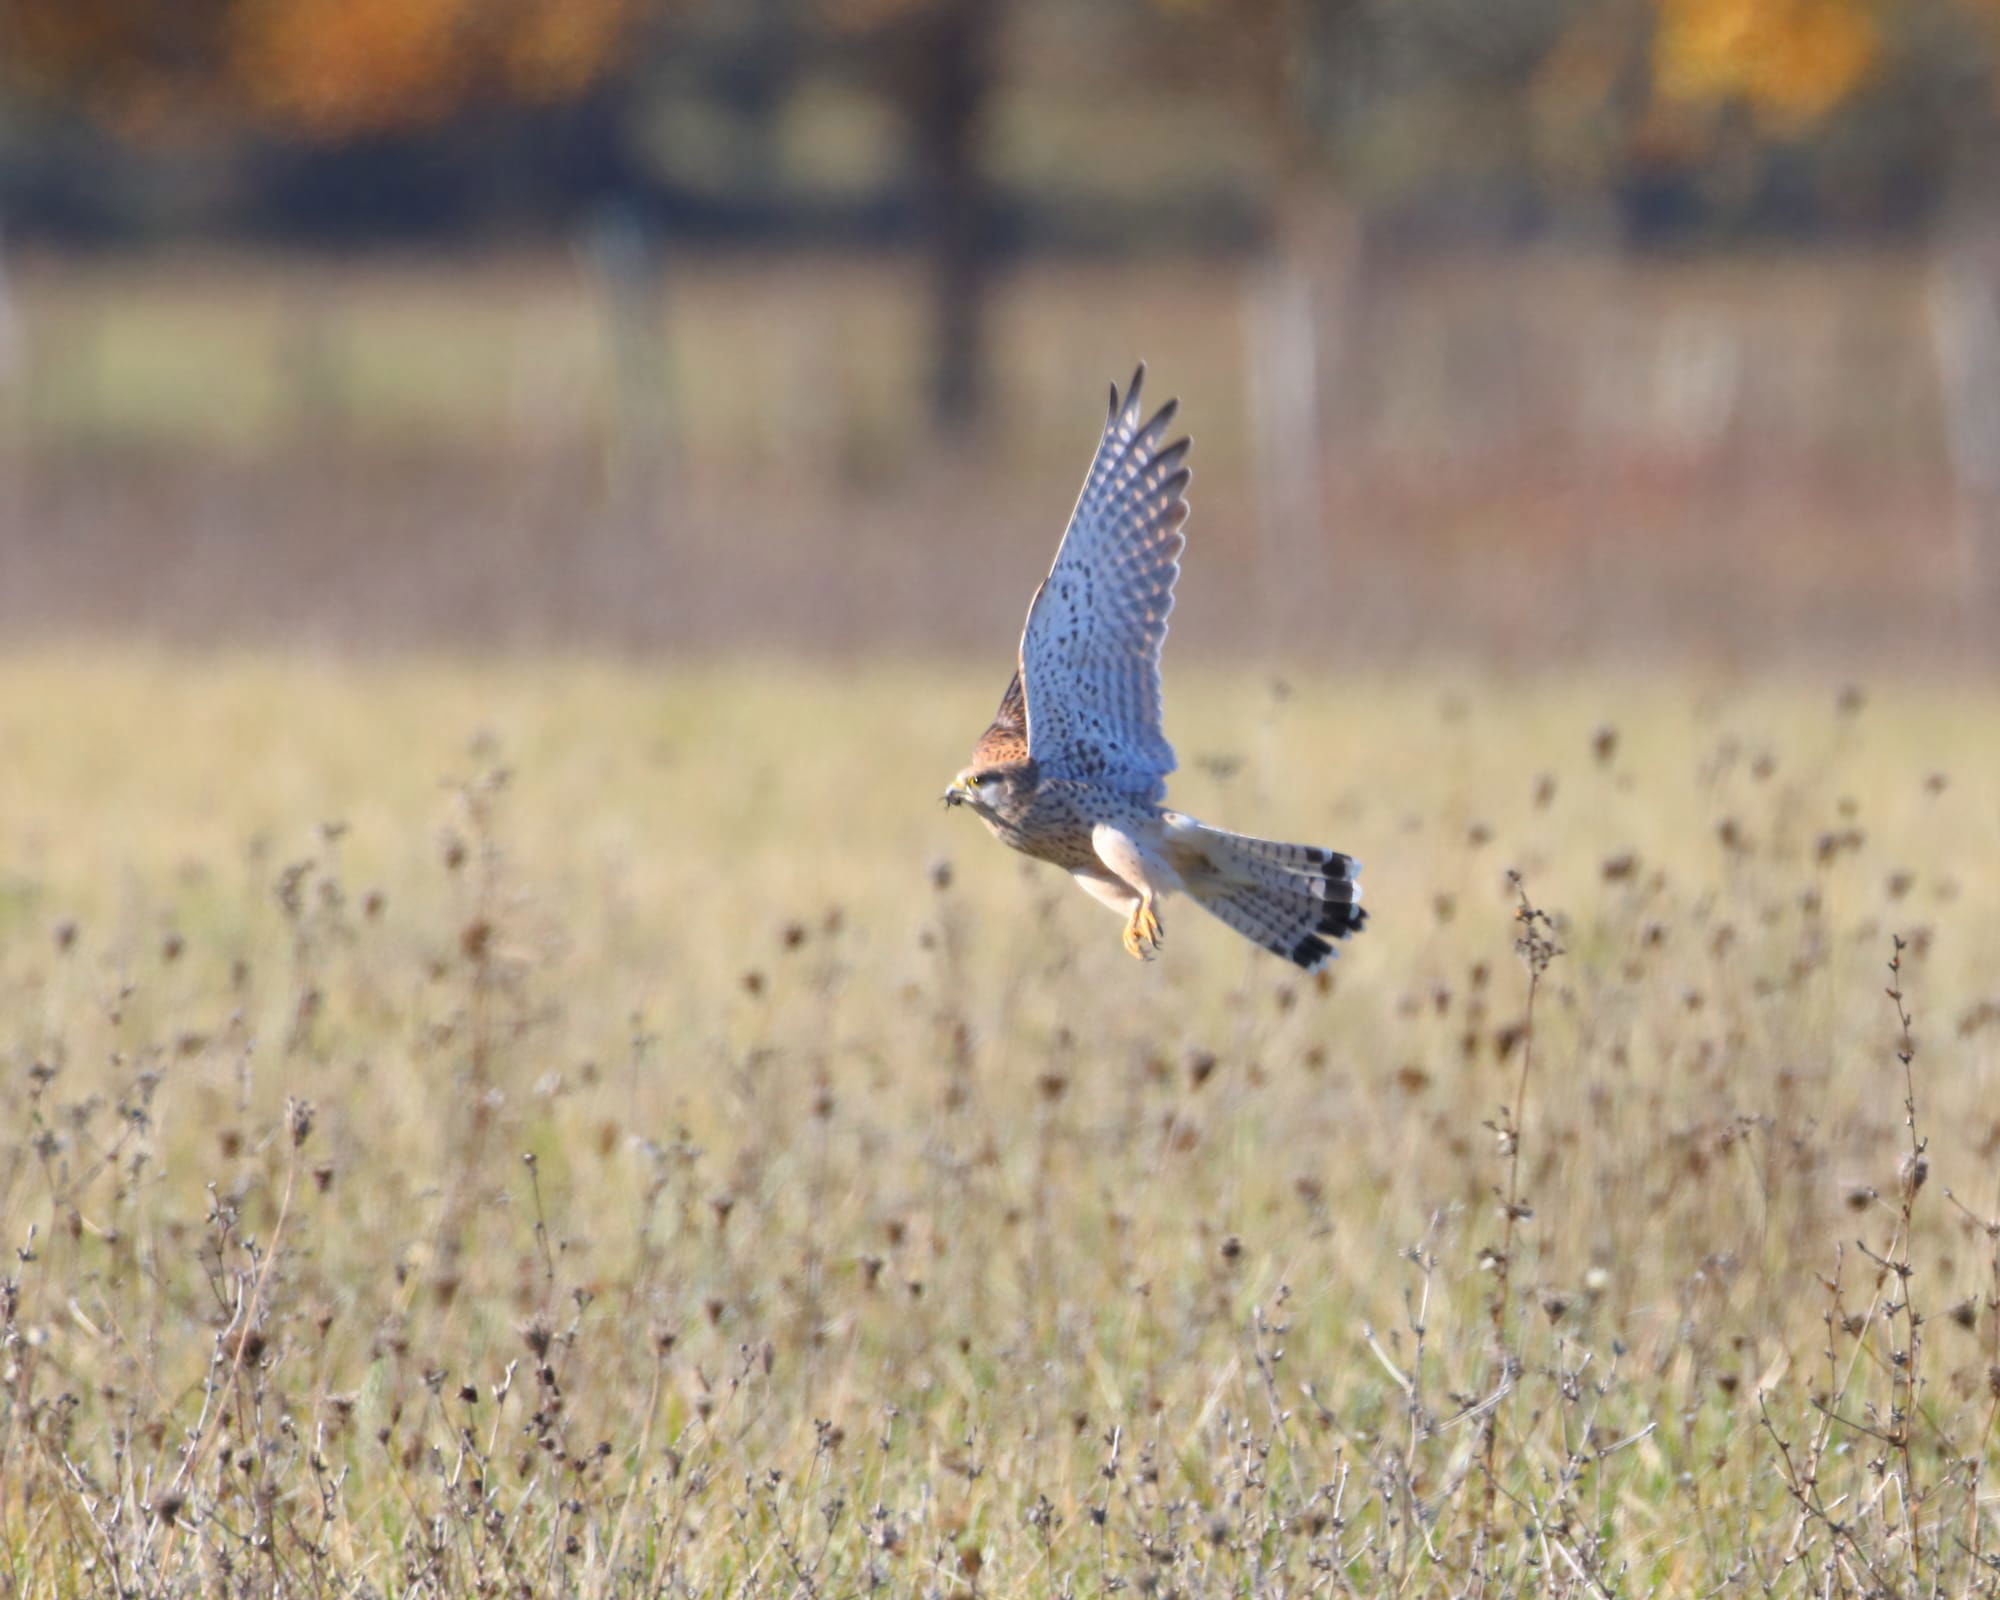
x: 1143, y: 934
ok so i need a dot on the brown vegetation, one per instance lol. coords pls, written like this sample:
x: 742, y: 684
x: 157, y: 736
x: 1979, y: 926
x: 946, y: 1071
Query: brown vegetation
x: 679, y: 1160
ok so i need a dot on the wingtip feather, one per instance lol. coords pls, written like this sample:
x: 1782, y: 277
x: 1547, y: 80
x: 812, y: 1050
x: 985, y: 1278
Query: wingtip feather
x: 1128, y: 404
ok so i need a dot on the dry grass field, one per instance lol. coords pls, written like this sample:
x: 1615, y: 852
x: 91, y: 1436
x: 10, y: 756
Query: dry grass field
x: 552, y: 1128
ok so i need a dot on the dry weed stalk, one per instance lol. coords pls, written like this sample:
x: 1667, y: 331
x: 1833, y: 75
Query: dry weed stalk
x: 1536, y: 944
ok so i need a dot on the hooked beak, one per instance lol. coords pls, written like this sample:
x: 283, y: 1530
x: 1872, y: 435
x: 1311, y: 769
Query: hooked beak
x: 958, y: 794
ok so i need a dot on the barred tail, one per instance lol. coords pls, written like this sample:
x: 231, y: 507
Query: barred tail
x: 1295, y: 900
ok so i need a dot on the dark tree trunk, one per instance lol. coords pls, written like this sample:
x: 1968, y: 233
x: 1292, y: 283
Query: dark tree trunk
x: 951, y: 92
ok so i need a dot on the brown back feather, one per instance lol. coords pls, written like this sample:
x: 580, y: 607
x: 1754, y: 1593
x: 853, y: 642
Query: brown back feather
x: 1005, y: 742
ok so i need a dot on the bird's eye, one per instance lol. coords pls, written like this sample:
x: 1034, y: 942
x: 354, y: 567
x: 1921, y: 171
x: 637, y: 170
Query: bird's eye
x: 978, y: 780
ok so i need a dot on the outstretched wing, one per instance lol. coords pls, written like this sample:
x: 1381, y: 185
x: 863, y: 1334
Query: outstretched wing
x: 1090, y: 655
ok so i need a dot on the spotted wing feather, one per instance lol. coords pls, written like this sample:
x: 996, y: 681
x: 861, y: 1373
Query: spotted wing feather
x: 1090, y: 655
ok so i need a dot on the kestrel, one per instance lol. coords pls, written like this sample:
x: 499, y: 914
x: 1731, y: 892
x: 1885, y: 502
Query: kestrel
x: 1073, y: 769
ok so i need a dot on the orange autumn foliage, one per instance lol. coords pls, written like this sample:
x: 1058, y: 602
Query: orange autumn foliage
x: 1791, y: 61
x: 338, y: 67
x: 324, y: 69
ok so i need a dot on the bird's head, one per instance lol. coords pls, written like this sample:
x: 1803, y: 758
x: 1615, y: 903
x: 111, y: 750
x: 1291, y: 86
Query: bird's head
x: 993, y: 791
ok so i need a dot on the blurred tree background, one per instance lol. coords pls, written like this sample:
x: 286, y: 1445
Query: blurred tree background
x: 989, y: 127
x: 1351, y: 160
x: 359, y: 120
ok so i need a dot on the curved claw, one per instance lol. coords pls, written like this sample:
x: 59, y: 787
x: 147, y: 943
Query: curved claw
x: 1143, y: 933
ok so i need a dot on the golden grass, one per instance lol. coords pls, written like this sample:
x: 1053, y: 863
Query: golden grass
x: 725, y: 1172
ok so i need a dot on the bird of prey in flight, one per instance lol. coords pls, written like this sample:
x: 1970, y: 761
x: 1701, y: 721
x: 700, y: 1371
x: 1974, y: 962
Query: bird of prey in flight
x: 1073, y: 769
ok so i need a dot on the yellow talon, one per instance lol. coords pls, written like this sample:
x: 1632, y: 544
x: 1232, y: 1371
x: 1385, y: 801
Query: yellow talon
x: 1143, y: 935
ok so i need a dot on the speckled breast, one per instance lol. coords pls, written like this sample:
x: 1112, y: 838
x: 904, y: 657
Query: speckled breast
x: 1055, y: 827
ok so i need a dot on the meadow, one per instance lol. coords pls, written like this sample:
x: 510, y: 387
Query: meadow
x: 546, y: 1126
